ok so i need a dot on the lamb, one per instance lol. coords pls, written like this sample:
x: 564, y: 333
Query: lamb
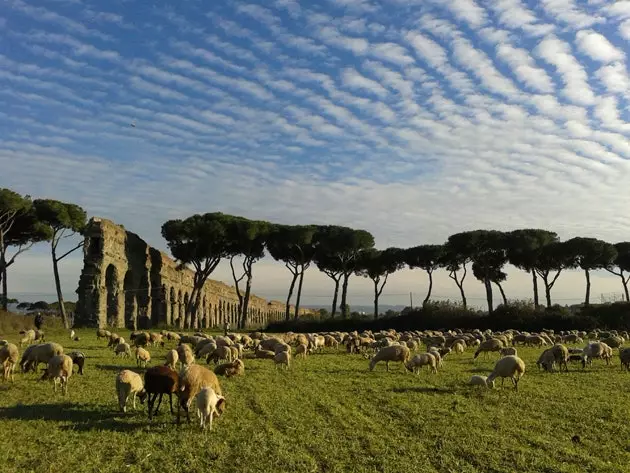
x: 490, y: 345
x: 235, y: 368
x: 59, y: 370
x: 8, y: 357
x: 392, y: 353
x: 192, y: 380
x: 282, y: 358
x: 36, y: 354
x: 128, y: 384
x: 510, y: 366
x: 418, y: 361
x: 78, y: 359
x: 142, y: 357
x: 301, y: 349
x: 477, y: 380
x: 123, y: 350
x: 209, y: 404
x: 160, y: 380
x: 508, y: 351
x: 28, y: 338
x: 171, y: 359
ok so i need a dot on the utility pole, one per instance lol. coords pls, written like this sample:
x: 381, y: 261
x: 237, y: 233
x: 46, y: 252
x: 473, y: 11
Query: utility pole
x: 411, y: 300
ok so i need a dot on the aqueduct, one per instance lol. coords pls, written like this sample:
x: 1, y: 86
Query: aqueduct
x: 127, y: 283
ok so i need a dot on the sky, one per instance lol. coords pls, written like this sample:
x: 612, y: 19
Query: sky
x: 413, y: 119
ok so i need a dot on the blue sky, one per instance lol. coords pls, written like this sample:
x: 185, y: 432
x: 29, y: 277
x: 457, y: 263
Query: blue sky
x: 413, y: 119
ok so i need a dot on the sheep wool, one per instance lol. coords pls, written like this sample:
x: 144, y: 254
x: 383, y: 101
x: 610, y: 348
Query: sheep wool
x: 209, y: 404
x: 392, y: 353
x: 59, y: 370
x: 8, y: 357
x: 508, y: 367
x: 129, y: 384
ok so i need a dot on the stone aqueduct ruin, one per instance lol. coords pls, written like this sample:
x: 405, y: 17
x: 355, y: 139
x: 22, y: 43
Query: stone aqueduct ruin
x: 127, y: 283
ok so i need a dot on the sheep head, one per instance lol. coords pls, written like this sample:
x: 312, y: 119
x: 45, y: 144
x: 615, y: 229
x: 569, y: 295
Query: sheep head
x: 221, y: 405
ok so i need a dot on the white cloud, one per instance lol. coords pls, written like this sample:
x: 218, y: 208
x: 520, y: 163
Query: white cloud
x: 468, y: 11
x: 333, y: 37
x: 525, y: 68
x: 567, y: 12
x: 597, y: 47
x: 614, y: 77
x: 392, y: 52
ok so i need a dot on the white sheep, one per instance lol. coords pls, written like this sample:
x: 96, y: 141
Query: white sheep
x: 59, y: 370
x: 123, y: 350
x: 8, y: 358
x: 282, y: 358
x: 209, y: 404
x: 392, y: 353
x: 424, y: 359
x: 508, y: 351
x: 171, y: 359
x: 508, y: 367
x: 478, y: 380
x: 128, y: 384
x: 142, y: 356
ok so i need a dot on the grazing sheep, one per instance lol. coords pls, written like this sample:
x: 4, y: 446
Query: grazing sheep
x: 142, y: 357
x: 205, y: 349
x: 192, y: 380
x: 508, y: 367
x: 535, y: 340
x: 478, y: 380
x: 59, y: 370
x: 8, y: 357
x: 282, y: 358
x: 487, y: 346
x: 123, y: 350
x: 115, y: 339
x: 156, y: 339
x: 624, y: 356
x: 458, y: 346
x: 508, y: 351
x: 209, y: 403
x: 186, y: 355
x: 418, y: 361
x: 142, y: 339
x: 392, y: 353
x: 596, y: 350
x: 27, y: 338
x: 222, y: 352
x: 36, y: 354
x: 301, y: 349
x: 235, y: 368
x: 171, y: 359
x: 128, y: 384
x: 78, y: 359
x: 102, y: 333
x: 267, y: 354
x: 160, y: 380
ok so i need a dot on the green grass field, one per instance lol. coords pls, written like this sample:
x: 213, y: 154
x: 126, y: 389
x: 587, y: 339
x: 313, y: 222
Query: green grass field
x: 327, y: 414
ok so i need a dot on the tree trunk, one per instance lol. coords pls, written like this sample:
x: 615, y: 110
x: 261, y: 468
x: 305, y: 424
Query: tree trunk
x: 344, y: 296
x: 299, y: 294
x: 190, y: 309
x: 625, y: 286
x: 460, y: 285
x: 588, y: 288
x: 502, y: 292
x: 62, y: 307
x: 5, y: 291
x: 489, y: 295
x: 334, y: 303
x: 287, y: 311
x: 426, y: 299
x: 248, y: 290
x: 237, y: 288
x: 545, y: 279
x: 535, y: 284
x: 376, y: 294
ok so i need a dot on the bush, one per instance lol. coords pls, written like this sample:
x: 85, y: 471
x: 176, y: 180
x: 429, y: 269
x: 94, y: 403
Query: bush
x: 11, y: 323
x: 518, y: 315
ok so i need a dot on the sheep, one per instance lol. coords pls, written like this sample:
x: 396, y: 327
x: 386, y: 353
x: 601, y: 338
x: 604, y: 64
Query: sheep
x: 123, y: 350
x: 235, y: 368
x: 477, y: 380
x: 221, y: 352
x: 209, y: 404
x: 114, y: 339
x: 160, y: 380
x: 142, y: 356
x: 490, y: 345
x: 508, y: 351
x: 102, y: 333
x: 282, y: 358
x: 458, y: 346
x: 301, y: 349
x: 510, y: 366
x: 186, y: 355
x: 59, y: 370
x: 234, y: 352
x: 156, y: 339
x: 391, y: 353
x: 192, y: 380
x: 141, y: 339
x: 78, y: 359
x: 268, y: 354
x: 36, y: 354
x: 596, y: 350
x: 624, y: 357
x: 128, y: 384
x: 28, y: 338
x: 171, y: 359
x: 8, y: 357
x: 418, y: 361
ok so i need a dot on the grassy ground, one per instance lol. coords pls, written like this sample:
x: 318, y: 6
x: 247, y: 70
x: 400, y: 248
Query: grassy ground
x: 327, y: 414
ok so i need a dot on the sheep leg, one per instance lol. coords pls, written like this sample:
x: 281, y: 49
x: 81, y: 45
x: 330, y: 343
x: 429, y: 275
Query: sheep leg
x: 134, y: 401
x: 170, y: 401
x: 159, y: 402
x: 150, y: 403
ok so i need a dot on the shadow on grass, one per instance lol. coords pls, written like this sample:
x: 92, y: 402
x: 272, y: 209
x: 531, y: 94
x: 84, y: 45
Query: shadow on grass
x: 81, y: 417
x: 118, y: 368
x: 425, y: 389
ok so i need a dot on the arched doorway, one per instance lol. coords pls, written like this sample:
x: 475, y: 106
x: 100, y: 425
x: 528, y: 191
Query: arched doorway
x: 112, y: 283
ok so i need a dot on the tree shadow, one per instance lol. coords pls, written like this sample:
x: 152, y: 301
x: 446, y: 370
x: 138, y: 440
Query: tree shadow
x: 119, y: 368
x: 426, y: 390
x: 480, y: 370
x: 81, y: 417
